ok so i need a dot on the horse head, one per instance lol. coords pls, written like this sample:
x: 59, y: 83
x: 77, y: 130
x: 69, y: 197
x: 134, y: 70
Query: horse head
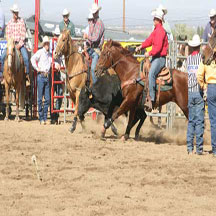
x: 210, y: 49
x: 108, y: 56
x: 10, y: 52
x: 63, y: 44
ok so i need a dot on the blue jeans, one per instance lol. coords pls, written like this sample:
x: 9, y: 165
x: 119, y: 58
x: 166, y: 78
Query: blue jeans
x: 196, y: 110
x: 95, y: 58
x: 24, y: 55
x: 157, y: 63
x: 43, y: 90
x: 211, y: 99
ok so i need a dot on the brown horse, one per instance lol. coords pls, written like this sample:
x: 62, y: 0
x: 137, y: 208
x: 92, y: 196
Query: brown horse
x: 13, y: 75
x: 210, y: 50
x: 75, y: 67
x: 127, y: 68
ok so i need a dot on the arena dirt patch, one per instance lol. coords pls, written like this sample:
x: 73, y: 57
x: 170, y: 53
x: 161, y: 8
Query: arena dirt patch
x: 84, y: 175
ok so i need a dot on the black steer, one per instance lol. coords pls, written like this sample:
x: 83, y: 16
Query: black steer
x: 104, y: 96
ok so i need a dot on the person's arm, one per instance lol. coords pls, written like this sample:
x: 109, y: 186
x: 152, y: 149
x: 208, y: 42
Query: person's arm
x: 72, y: 30
x: 147, y: 42
x: 8, y: 31
x: 158, y: 42
x: 61, y: 27
x: 22, y: 33
x: 201, y: 74
x: 34, y: 60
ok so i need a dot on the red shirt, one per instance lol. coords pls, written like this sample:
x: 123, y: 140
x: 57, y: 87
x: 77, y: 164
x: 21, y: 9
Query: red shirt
x: 158, y: 40
x: 195, y: 52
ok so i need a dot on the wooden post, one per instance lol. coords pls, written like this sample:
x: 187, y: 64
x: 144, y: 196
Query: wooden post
x: 123, y: 15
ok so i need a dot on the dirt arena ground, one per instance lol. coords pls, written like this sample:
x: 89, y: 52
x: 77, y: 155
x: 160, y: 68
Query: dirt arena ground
x: 83, y: 175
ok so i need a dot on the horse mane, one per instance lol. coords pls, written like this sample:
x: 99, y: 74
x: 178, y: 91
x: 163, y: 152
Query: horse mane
x: 122, y: 50
x: 10, y: 41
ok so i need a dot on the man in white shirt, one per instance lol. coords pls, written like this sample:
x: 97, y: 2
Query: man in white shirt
x: 41, y: 62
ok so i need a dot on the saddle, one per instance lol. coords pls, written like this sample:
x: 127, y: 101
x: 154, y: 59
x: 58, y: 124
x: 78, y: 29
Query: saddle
x: 163, y: 81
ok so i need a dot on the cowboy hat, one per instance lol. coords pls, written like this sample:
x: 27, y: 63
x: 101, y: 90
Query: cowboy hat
x: 95, y: 8
x: 161, y: 7
x: 45, y: 40
x: 56, y: 31
x: 90, y: 16
x: 65, y: 12
x: 212, y: 13
x: 15, y: 8
x: 195, y: 42
x: 158, y: 13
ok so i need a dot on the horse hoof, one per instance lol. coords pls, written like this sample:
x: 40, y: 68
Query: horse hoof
x: 6, y: 119
x: 136, y: 137
x: 72, y: 129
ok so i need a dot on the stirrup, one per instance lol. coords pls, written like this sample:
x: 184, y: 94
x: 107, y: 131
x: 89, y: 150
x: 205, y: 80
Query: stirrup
x: 148, y: 105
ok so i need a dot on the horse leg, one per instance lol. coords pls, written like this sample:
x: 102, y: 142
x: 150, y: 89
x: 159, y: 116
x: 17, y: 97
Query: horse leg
x: 132, y: 121
x: 74, y: 122
x: 7, y: 89
x: 140, y: 114
x: 17, y: 104
x: 159, y: 118
x: 125, y: 106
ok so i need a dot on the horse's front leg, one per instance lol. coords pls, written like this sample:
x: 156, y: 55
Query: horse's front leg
x: 7, y: 90
x: 125, y: 106
x: 74, y: 122
x: 17, y: 104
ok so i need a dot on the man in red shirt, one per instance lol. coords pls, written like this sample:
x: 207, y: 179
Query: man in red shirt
x: 159, y: 42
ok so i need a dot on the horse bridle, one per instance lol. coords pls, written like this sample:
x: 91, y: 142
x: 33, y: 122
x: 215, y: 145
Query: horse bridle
x: 108, y: 53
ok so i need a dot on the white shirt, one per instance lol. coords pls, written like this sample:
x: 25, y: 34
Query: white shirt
x: 42, y: 60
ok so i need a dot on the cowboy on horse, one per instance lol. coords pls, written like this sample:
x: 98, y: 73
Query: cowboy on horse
x: 159, y: 42
x: 95, y: 38
x: 16, y: 29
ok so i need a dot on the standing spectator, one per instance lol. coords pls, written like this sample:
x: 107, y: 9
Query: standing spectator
x: 95, y: 38
x: 207, y: 74
x: 195, y: 99
x: 66, y: 23
x: 2, y: 23
x: 58, y: 88
x: 210, y: 27
x: 41, y: 62
x: 16, y: 29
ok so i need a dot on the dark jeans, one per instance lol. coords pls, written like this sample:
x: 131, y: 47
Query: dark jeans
x: 24, y: 55
x: 211, y: 99
x: 43, y: 90
x: 195, y: 121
